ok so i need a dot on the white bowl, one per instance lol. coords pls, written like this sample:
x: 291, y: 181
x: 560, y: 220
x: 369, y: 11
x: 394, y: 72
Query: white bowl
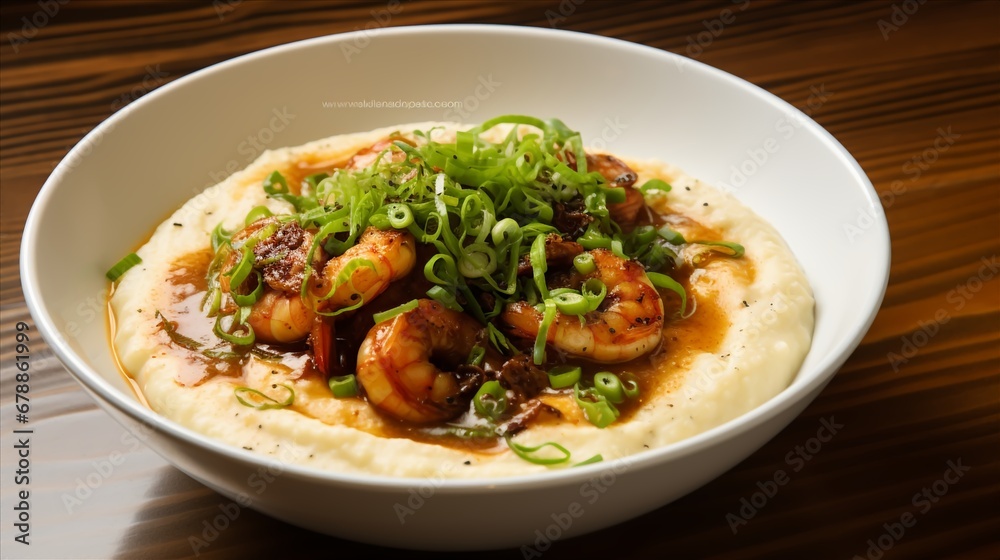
x: 129, y: 173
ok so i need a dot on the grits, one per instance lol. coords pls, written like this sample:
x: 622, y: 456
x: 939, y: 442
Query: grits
x: 763, y: 319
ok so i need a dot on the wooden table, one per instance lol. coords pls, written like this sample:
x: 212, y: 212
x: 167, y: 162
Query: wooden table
x: 913, y: 92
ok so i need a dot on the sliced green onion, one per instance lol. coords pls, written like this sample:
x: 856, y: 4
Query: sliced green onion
x: 505, y: 231
x: 176, y: 337
x: 608, y: 384
x: 734, y: 250
x: 257, y: 213
x: 571, y: 303
x: 539, y: 265
x: 253, y: 296
x: 595, y: 406
x: 594, y: 291
x: 643, y: 236
x: 490, y: 400
x: 241, y: 271
x: 245, y: 339
x: 220, y: 237
x: 400, y: 215
x: 122, y: 266
x: 343, y: 387
x: 538, y: 355
x: 595, y: 459
x: 666, y: 282
x: 584, y: 263
x: 476, y: 356
x: 268, y: 402
x: 654, y: 184
x: 631, y: 385
x: 671, y: 236
x: 532, y: 455
x: 499, y: 341
x: 383, y: 316
x: 445, y: 298
x: 563, y: 376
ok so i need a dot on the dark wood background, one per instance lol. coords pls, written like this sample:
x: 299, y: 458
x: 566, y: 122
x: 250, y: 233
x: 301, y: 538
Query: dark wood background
x: 900, y: 76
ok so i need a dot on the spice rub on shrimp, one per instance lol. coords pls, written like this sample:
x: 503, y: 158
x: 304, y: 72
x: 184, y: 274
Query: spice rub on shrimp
x: 627, y: 324
x: 279, y: 252
x: 410, y: 365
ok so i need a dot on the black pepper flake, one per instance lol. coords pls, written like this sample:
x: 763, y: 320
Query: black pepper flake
x: 178, y: 224
x: 248, y: 448
x: 259, y: 427
x: 745, y: 304
x: 687, y: 188
x: 467, y: 463
x: 138, y: 310
x: 646, y: 446
x: 273, y: 386
x: 704, y: 204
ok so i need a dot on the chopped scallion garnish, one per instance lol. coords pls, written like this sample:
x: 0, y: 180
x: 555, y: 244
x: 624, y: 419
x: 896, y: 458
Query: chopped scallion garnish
x: 262, y: 401
x: 122, y: 266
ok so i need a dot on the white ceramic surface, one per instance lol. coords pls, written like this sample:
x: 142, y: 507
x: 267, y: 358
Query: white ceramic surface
x: 146, y: 160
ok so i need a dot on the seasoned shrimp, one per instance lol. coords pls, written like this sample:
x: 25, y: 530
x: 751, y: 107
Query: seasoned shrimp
x: 396, y: 363
x: 369, y: 155
x: 619, y: 175
x: 379, y: 258
x: 279, y: 314
x: 627, y: 324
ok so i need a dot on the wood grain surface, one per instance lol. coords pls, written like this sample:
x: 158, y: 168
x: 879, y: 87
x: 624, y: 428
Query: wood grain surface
x: 913, y: 93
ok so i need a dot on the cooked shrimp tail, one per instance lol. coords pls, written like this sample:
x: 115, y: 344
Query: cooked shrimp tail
x: 627, y: 324
x: 409, y: 366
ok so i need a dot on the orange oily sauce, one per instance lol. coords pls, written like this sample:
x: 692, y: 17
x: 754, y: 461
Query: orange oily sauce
x: 658, y: 373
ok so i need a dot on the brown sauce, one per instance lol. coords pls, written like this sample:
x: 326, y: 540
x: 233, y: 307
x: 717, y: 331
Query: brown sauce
x: 656, y: 373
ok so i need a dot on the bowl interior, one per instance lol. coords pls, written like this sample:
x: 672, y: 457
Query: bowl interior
x: 135, y: 169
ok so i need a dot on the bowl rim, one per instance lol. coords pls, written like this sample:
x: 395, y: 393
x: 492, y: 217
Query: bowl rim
x: 877, y: 234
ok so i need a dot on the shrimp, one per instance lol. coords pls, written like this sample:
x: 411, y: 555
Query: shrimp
x: 396, y: 363
x: 279, y: 315
x: 627, y: 324
x: 619, y: 175
x: 367, y: 156
x: 380, y: 257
